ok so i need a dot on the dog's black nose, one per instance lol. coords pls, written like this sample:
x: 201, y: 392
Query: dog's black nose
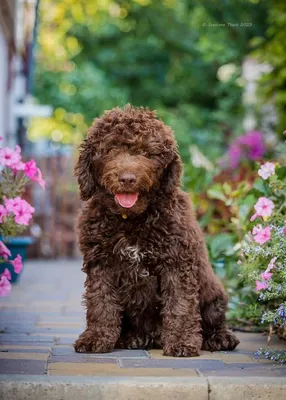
x: 127, y: 178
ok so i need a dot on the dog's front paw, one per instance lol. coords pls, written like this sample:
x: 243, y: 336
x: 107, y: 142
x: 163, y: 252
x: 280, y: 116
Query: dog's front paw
x: 133, y: 341
x: 224, y: 340
x: 90, y: 342
x: 180, y: 350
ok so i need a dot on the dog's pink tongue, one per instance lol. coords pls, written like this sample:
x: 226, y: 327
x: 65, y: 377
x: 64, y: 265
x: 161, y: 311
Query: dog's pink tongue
x: 126, y: 200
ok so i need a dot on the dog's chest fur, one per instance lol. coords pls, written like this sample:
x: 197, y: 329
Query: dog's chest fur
x: 136, y: 269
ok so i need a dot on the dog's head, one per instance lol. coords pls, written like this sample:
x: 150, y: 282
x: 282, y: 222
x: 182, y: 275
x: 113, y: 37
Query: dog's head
x: 131, y: 156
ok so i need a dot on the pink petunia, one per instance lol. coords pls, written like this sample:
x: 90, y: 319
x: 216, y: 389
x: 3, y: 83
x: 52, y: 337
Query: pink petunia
x: 263, y: 208
x: 9, y: 157
x: 5, y: 286
x: 12, y: 204
x: 39, y: 179
x: 261, y: 285
x: 266, y: 170
x: 17, y: 264
x: 263, y: 235
x: 31, y: 169
x: 7, y: 273
x: 4, y: 251
x: 3, y: 213
x: 23, y: 213
x: 266, y: 275
x: 256, y: 229
x: 18, y: 166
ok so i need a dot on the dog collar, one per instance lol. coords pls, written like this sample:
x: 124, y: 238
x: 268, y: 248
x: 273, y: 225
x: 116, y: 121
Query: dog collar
x: 124, y: 216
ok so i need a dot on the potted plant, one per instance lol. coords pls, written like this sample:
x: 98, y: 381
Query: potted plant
x: 15, y: 213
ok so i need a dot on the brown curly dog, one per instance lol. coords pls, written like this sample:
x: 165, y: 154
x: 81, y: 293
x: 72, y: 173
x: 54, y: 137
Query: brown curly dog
x: 149, y: 282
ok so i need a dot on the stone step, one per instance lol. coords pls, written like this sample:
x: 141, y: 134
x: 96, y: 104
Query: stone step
x: 16, y: 387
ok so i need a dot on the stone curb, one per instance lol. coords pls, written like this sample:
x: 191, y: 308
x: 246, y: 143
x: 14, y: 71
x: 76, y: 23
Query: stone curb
x: 19, y: 387
x: 247, y: 388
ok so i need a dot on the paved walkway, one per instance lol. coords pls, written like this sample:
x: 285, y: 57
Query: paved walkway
x: 42, y: 317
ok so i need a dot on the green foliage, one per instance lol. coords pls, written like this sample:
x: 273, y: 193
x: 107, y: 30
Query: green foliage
x: 95, y: 55
x: 272, y: 50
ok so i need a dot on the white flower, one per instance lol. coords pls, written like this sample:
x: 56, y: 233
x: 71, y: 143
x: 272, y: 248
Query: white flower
x: 266, y: 170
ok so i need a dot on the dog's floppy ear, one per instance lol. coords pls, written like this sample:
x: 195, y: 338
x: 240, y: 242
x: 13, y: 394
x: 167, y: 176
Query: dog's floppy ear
x: 172, y: 174
x: 84, y: 170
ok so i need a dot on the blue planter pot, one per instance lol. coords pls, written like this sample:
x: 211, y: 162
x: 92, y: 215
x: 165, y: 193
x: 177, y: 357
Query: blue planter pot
x: 17, y: 245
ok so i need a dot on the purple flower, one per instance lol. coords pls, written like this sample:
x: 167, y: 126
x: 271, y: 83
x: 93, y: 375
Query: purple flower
x: 281, y: 311
x: 248, y: 146
x: 234, y: 155
x: 253, y: 141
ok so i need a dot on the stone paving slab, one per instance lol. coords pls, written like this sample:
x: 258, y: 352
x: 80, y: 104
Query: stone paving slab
x: 122, y: 354
x: 38, y: 328
x: 27, y: 367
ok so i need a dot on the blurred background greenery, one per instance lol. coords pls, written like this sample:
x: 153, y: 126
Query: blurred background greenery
x: 206, y: 66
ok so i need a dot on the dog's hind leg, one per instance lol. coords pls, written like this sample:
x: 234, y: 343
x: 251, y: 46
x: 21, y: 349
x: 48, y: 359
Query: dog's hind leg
x: 216, y: 336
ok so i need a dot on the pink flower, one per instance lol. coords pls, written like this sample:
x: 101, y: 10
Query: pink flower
x: 261, y: 285
x: 271, y: 265
x: 256, y: 229
x: 263, y: 235
x: 266, y: 275
x: 284, y: 230
x: 17, y: 264
x: 12, y: 204
x: 3, y: 213
x: 9, y: 157
x: 21, y: 208
x: 5, y: 286
x: 266, y: 170
x: 23, y: 213
x: 4, y: 251
x: 39, y: 179
x: 12, y: 158
x: 7, y: 274
x: 18, y: 166
x: 263, y: 208
x: 31, y: 169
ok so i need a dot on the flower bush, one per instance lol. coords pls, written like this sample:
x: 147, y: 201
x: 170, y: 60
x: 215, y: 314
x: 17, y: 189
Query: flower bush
x: 263, y: 251
x: 15, y: 212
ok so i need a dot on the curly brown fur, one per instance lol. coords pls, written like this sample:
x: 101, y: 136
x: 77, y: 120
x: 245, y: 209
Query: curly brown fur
x: 149, y: 282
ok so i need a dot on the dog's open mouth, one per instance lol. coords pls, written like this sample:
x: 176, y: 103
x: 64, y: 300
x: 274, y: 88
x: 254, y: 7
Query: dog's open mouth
x: 126, y: 200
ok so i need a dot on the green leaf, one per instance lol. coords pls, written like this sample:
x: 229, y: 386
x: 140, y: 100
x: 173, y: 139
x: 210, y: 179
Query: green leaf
x: 245, y: 206
x: 216, y: 192
x: 221, y: 244
x: 261, y: 186
x: 281, y: 173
